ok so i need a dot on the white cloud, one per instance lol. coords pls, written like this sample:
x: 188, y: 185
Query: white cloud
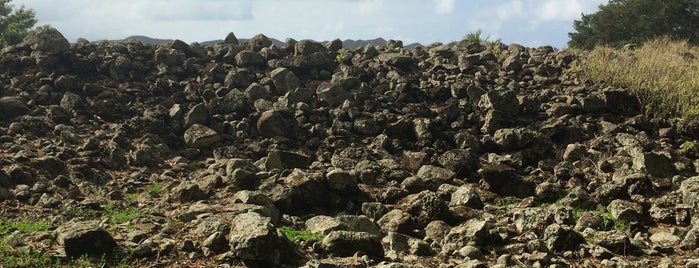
x: 369, y: 7
x: 552, y: 10
x: 444, y: 6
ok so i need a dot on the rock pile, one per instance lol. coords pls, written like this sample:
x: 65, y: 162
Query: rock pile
x: 460, y: 155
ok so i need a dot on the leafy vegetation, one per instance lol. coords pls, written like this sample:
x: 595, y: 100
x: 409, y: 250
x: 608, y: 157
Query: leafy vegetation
x: 294, y: 234
x: 14, y: 24
x: 621, y: 22
x: 662, y: 73
x: 690, y: 149
x: 610, y: 222
x: 478, y: 38
x: 118, y: 215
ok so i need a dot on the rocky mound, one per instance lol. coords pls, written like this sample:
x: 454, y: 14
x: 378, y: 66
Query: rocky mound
x: 449, y: 156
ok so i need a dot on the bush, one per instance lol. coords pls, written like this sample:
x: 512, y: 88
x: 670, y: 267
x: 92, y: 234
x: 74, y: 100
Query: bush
x: 622, y: 22
x: 14, y: 24
x: 662, y: 73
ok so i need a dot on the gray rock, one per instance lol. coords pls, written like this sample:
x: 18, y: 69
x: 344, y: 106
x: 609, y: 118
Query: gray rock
x: 690, y: 192
x: 504, y: 101
x: 215, y: 243
x: 306, y: 47
x: 248, y: 58
x: 254, y: 238
x: 255, y: 91
x: 359, y: 223
x: 236, y: 79
x: 511, y: 139
x: 284, y: 80
x: 466, y: 195
x: 244, y: 179
x: 231, y: 39
x: 12, y: 107
x: 592, y: 104
x: 472, y: 232
x: 574, y: 152
x: 272, y: 124
x: 200, y: 136
x: 198, y: 114
x: 495, y: 120
x: 435, y: 231
x: 347, y: 243
x: 324, y: 224
x: 48, y: 40
x: 627, y: 211
x: 396, y: 59
x: 72, y: 102
x: 396, y: 221
x: 655, y: 164
x: 460, y: 161
x: 84, y: 237
x: 259, y: 41
x: 186, y: 192
x: 341, y: 180
x: 561, y: 238
x: 616, y: 242
x: 277, y: 159
x: 366, y: 126
x: 400, y: 244
x: 334, y: 95
x: 434, y: 174
x: 334, y: 45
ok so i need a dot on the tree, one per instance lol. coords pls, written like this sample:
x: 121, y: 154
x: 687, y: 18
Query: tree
x: 14, y: 24
x: 621, y: 22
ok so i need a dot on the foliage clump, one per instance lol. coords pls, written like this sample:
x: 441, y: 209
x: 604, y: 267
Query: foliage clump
x: 663, y: 74
x: 14, y: 24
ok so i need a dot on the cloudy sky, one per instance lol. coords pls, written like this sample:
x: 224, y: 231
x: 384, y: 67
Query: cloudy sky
x: 527, y: 22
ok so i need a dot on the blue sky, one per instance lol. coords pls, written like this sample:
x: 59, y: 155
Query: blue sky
x: 527, y: 22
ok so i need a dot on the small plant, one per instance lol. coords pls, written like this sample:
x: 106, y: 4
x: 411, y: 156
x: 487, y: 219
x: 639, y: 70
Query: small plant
x: 8, y: 226
x: 155, y: 188
x: 478, y: 38
x: 122, y: 215
x: 507, y: 202
x: 690, y: 149
x: 577, y: 213
x: 610, y: 222
x: 339, y: 59
x: 294, y: 234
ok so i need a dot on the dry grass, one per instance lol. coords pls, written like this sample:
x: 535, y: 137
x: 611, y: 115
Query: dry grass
x: 662, y: 73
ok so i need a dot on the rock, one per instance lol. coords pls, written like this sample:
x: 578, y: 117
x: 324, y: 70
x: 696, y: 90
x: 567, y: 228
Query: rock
x: 200, y: 136
x: 259, y: 41
x: 347, y: 243
x: 306, y: 47
x: 284, y: 80
x: 359, y: 223
x: 690, y: 192
x: 396, y: 59
x: 561, y: 238
x: 396, y: 221
x: 424, y: 207
x: 254, y: 238
x: 48, y: 40
x: 503, y: 101
x: 248, y: 58
x: 187, y: 192
x: 466, y: 195
x: 231, y: 39
x: 84, y: 237
x: 574, y: 152
x: 625, y: 210
x: 324, y: 224
x: 655, y: 164
x: 198, y: 114
x: 12, y: 107
x: 435, y: 231
x: 277, y: 159
x: 511, y: 139
x: 472, y: 232
x: 334, y: 95
x: 460, y: 161
x: 434, y: 175
x: 272, y: 124
x: 341, y: 180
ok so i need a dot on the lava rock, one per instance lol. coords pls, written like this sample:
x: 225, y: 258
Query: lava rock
x: 84, y: 237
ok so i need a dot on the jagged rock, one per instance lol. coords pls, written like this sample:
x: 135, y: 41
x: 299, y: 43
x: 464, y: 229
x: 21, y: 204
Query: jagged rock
x: 347, y: 243
x: 272, y: 124
x: 503, y: 101
x: 690, y: 192
x: 396, y: 221
x: 284, y: 80
x: 561, y: 238
x: 334, y: 95
x: 248, y: 58
x: 200, y: 136
x: 259, y: 41
x: 12, y: 107
x: 466, y: 195
x: 324, y: 224
x: 306, y: 47
x: 341, y: 180
x: 625, y: 210
x: 84, y: 237
x: 472, y: 232
x: 277, y: 159
x: 254, y: 238
x: 460, y: 161
x: 48, y: 40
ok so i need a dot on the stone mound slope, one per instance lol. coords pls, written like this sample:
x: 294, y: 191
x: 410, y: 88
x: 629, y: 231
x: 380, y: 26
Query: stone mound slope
x: 440, y: 156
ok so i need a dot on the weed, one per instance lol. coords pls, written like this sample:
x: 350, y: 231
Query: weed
x: 122, y: 215
x: 610, y: 222
x: 294, y: 234
x: 339, y: 59
x: 478, y: 38
x: 155, y: 188
x: 577, y: 213
x: 690, y: 149
x: 507, y: 202
x: 8, y: 226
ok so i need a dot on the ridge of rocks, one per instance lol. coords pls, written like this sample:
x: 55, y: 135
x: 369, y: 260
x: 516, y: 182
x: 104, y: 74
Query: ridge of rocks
x: 458, y: 155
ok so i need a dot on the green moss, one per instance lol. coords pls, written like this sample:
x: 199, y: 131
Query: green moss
x: 294, y: 234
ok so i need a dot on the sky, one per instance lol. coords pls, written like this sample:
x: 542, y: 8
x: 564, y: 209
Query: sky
x: 530, y: 23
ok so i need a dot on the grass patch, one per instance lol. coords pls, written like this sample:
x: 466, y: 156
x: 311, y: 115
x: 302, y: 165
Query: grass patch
x: 507, y: 201
x: 612, y: 223
x: 662, y: 73
x: 119, y: 215
x: 294, y: 234
x: 8, y: 226
x: 155, y: 188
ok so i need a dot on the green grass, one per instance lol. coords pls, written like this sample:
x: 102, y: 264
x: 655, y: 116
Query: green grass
x: 507, y: 202
x: 155, y: 188
x: 294, y: 234
x: 610, y: 222
x: 119, y: 215
x: 8, y: 226
x: 663, y: 74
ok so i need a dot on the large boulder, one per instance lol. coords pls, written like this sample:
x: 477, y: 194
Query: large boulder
x: 47, y: 39
x: 84, y: 237
x: 253, y: 238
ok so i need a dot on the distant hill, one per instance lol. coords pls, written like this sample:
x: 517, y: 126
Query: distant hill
x: 347, y: 43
